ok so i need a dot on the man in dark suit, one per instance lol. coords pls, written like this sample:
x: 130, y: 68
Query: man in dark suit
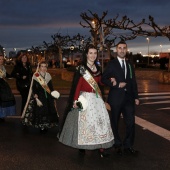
x: 123, y: 96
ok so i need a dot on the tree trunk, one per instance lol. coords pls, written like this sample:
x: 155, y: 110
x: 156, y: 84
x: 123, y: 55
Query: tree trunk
x: 60, y: 56
x: 169, y: 65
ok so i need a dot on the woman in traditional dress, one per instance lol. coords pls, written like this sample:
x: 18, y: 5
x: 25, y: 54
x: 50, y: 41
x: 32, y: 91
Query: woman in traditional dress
x: 7, y: 100
x: 40, y: 110
x: 23, y: 73
x: 87, y: 128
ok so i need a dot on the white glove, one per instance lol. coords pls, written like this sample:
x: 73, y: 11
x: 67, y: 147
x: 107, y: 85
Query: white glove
x: 55, y: 94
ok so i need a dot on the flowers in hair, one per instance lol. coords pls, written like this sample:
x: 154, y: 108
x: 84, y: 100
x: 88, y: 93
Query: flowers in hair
x: 36, y: 74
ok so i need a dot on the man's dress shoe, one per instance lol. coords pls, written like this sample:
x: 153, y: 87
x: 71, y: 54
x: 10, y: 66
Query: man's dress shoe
x: 119, y: 151
x: 130, y: 151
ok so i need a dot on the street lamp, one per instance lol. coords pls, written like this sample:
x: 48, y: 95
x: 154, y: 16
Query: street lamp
x: 161, y: 48
x: 93, y: 31
x: 148, y: 49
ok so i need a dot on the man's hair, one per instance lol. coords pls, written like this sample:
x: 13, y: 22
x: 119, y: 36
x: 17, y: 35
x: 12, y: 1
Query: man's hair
x: 121, y: 42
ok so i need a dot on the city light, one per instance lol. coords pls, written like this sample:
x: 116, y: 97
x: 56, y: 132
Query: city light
x: 148, y: 48
x: 161, y: 48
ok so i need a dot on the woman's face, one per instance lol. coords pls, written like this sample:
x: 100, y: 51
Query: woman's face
x: 1, y: 60
x: 43, y: 68
x: 92, y: 55
x: 24, y: 59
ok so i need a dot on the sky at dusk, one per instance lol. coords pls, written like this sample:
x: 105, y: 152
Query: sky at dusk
x: 27, y: 23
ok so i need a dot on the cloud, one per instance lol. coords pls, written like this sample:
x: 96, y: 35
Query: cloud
x: 30, y: 22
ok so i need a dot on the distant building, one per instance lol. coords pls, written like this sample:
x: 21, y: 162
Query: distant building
x: 12, y: 54
x: 164, y: 54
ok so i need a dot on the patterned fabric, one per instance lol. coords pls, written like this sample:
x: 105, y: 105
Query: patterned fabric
x: 89, y: 129
x: 94, y: 124
x: 2, y: 72
x: 42, y: 117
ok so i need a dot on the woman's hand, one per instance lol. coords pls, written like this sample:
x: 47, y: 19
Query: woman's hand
x: 24, y: 77
x: 137, y: 101
x: 122, y: 84
x: 74, y: 104
x: 35, y: 96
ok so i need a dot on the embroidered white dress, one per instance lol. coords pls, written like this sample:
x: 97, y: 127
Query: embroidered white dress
x: 89, y: 129
x: 93, y: 123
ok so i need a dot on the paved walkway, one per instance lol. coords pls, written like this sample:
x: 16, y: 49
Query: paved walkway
x: 152, y: 86
x: 26, y: 149
x: 143, y: 86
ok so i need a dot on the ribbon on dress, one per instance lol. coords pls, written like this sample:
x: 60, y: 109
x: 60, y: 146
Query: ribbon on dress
x: 2, y: 73
x: 42, y: 82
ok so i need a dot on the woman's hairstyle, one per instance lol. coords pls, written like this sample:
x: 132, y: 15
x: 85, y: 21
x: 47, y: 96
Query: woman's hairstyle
x: 42, y: 62
x: 20, y: 57
x: 89, y: 46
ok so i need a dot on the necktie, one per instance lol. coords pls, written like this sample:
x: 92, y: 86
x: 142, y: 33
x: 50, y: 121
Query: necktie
x: 123, y: 66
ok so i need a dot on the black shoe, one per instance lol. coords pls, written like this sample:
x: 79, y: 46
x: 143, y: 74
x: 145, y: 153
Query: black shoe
x: 104, y: 154
x: 119, y: 151
x: 43, y: 131
x: 130, y: 151
x: 82, y: 151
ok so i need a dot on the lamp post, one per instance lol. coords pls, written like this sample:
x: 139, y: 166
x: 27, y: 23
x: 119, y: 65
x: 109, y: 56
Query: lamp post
x: 4, y: 52
x: 72, y: 48
x: 93, y: 24
x: 148, y: 49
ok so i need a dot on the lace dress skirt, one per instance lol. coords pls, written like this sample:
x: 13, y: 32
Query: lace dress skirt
x: 89, y: 129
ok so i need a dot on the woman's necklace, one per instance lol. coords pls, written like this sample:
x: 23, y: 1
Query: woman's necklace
x: 42, y: 74
x: 92, y: 66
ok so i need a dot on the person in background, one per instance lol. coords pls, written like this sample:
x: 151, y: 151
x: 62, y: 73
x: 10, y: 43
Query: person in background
x: 23, y: 73
x: 40, y: 110
x: 86, y: 122
x: 7, y: 100
x: 122, y: 98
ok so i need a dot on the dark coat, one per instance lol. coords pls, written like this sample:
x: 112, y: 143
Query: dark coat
x: 18, y: 72
x: 117, y: 94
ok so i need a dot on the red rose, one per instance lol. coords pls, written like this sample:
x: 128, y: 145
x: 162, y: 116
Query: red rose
x: 36, y: 74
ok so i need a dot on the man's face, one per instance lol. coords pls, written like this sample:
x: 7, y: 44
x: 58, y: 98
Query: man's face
x: 121, y: 50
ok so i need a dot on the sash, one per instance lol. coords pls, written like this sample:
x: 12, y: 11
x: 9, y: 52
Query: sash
x: 42, y: 82
x: 130, y: 71
x: 91, y: 81
x: 2, y: 73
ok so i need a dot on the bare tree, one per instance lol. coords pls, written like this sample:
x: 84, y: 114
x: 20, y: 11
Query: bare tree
x: 105, y: 32
x: 60, y: 42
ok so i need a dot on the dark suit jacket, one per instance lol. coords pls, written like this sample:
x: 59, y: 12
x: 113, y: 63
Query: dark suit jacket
x: 116, y: 94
